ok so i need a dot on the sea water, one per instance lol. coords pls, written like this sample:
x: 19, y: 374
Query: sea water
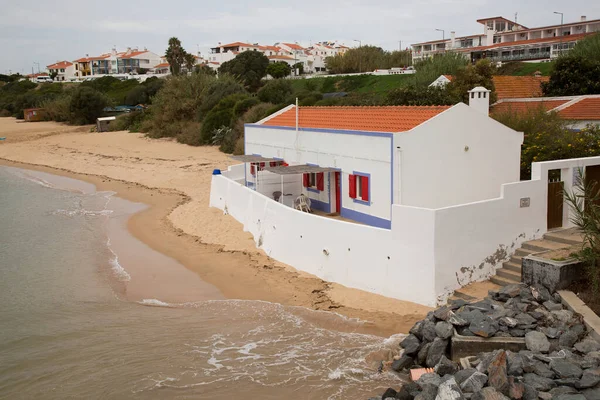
x: 67, y: 332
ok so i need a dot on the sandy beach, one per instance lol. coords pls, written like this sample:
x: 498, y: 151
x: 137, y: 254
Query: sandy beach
x: 174, y: 180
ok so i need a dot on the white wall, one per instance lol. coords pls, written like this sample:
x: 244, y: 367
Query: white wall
x: 346, y: 150
x: 473, y: 240
x: 289, y: 185
x: 396, y: 264
x: 435, y: 171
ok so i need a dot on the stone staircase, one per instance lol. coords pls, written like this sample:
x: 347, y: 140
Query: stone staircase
x: 510, y: 272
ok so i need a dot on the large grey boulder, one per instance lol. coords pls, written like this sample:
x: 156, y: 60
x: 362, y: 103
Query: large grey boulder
x: 489, y: 393
x: 436, y: 351
x: 444, y: 329
x: 474, y: 383
x: 449, y: 390
x: 411, y: 345
x: 539, y: 383
x: 537, y: 342
x: 565, y: 369
x: 590, y: 378
x: 587, y: 345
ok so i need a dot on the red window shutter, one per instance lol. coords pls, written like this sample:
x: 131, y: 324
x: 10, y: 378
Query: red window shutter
x: 321, y: 181
x: 262, y: 165
x: 285, y: 164
x: 273, y: 163
x: 352, y: 186
x: 365, y: 187
x: 305, y: 180
x: 252, y: 169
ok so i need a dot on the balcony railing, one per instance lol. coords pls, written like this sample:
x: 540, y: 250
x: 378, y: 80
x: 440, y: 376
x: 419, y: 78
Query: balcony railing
x: 518, y: 57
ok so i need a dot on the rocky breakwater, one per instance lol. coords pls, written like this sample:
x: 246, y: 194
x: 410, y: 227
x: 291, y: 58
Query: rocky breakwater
x: 560, y: 360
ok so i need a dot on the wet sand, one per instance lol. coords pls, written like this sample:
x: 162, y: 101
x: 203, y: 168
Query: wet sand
x: 174, y: 181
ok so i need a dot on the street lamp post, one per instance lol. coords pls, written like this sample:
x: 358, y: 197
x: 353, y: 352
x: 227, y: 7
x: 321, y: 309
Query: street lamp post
x: 38, y: 65
x: 359, y: 56
x: 443, y: 33
x: 561, y: 30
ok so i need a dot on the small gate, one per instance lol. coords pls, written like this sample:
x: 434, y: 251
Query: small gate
x: 555, y: 203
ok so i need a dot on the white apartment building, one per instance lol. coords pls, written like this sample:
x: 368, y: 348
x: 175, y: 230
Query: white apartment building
x: 506, y: 40
x: 64, y: 70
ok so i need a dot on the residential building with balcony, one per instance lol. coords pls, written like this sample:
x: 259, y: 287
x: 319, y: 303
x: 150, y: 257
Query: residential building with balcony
x: 506, y: 40
x: 125, y: 62
x: 64, y: 70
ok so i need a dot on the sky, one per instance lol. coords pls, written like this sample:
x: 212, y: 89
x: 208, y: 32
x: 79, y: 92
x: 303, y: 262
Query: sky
x: 37, y: 32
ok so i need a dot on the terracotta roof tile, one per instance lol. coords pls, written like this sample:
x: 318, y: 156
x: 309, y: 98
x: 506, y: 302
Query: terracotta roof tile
x: 586, y: 109
x: 237, y: 44
x: 133, y: 54
x: 60, y: 64
x: 522, y: 107
x: 162, y: 65
x: 294, y: 46
x: 514, y: 87
x: 375, y: 119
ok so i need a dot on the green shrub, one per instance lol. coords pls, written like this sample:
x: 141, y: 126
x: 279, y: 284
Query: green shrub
x: 244, y: 105
x: 275, y: 91
x: 59, y: 109
x: 411, y: 96
x: 5, y: 113
x: 217, y: 90
x: 256, y: 113
x: 86, y: 105
x: 189, y: 132
x: 131, y: 122
x: 310, y: 85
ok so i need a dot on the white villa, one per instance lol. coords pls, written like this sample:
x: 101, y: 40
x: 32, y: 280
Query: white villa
x: 64, y: 70
x: 506, y: 40
x: 407, y: 202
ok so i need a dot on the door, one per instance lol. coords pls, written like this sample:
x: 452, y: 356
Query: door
x: 338, y: 193
x: 592, y: 178
x: 555, y: 204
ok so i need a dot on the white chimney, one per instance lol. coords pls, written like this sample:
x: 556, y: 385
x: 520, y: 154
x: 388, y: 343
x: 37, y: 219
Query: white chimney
x: 490, y: 37
x: 452, y: 40
x: 479, y: 99
x: 583, y: 18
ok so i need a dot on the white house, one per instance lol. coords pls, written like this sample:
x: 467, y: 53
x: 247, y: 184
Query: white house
x: 409, y: 202
x: 64, y: 70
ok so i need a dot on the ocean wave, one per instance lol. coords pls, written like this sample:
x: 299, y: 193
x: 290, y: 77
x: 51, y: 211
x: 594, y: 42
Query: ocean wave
x: 155, y: 303
x: 117, y: 268
x: 80, y: 212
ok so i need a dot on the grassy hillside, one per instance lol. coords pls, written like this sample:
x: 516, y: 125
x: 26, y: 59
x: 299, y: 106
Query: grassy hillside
x: 359, y: 83
x: 522, y: 68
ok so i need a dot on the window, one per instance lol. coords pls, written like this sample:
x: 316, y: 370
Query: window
x: 358, y: 187
x: 314, y: 181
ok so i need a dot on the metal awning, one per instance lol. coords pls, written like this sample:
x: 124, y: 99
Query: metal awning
x: 299, y: 169
x: 253, y: 158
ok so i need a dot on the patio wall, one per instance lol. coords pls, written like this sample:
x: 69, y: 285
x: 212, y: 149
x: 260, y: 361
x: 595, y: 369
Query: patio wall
x: 396, y: 264
x: 426, y: 255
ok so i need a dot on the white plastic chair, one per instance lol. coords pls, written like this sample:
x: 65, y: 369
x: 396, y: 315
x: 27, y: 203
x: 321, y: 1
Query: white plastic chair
x: 303, y: 203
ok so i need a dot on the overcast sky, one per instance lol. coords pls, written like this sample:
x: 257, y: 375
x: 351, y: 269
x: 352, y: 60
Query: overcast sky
x: 44, y: 32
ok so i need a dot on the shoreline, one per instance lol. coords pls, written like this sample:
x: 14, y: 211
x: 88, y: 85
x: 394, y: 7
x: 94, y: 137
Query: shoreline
x: 237, y: 274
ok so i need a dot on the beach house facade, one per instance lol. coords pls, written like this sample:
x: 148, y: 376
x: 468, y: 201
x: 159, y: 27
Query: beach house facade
x: 62, y: 70
x: 407, y: 202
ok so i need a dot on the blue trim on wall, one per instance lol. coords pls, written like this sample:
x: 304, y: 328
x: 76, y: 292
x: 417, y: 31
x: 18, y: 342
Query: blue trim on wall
x: 366, y: 218
x: 320, y: 205
x: 360, y: 201
x: 340, y: 131
x: 313, y: 190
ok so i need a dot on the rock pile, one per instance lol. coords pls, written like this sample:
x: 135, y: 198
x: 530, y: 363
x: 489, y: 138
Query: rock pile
x: 560, y: 361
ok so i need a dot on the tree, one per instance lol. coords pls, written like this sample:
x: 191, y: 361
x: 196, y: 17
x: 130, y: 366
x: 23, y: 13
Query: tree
x: 279, y: 69
x: 465, y: 79
x: 588, y: 48
x: 276, y: 91
x: 205, y: 69
x: 249, y: 66
x: 300, y: 67
x: 190, y: 61
x: 413, y: 96
x: 367, y: 58
x: 86, y: 105
x: 573, y: 75
x: 176, y: 55
x: 53, y: 75
x: 431, y: 68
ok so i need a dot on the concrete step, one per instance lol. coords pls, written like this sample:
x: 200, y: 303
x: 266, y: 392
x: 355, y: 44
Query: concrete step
x: 523, y: 252
x: 509, y: 275
x: 512, y: 266
x: 542, y: 245
x: 498, y: 280
x: 566, y: 236
x: 515, y: 259
x: 460, y: 295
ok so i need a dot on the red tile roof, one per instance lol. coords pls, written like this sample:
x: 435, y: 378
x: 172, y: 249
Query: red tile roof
x: 280, y: 58
x: 523, y: 107
x: 449, y: 77
x: 237, y: 44
x: 163, y: 65
x: 88, y: 59
x: 59, y: 65
x: 133, y: 54
x: 586, y: 109
x: 294, y: 46
x: 513, y: 87
x: 272, y: 48
x: 374, y: 119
